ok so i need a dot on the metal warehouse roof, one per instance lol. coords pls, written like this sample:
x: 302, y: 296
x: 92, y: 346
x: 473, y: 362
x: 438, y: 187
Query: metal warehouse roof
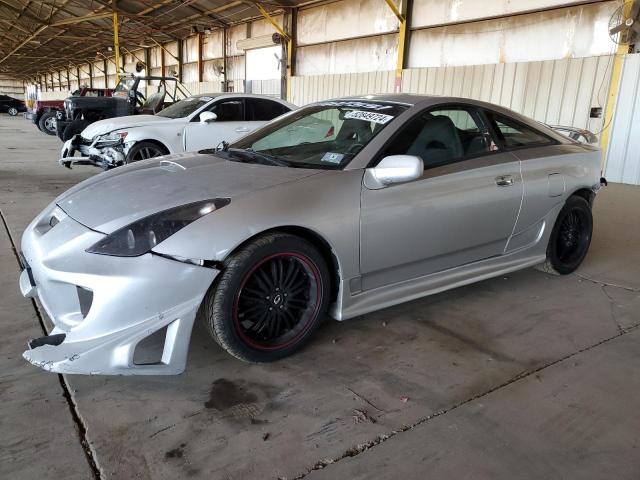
x: 41, y: 35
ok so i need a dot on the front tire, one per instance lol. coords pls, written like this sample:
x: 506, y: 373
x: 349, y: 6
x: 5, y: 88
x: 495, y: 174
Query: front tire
x: 570, y: 237
x: 269, y: 298
x: 47, y: 123
x: 13, y: 111
x: 143, y: 151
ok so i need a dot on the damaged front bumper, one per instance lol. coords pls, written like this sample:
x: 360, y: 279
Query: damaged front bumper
x: 100, y: 153
x: 101, y: 306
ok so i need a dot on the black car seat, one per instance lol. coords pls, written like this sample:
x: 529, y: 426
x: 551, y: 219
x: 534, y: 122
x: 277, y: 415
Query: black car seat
x: 359, y: 131
x: 155, y: 102
x: 438, y: 142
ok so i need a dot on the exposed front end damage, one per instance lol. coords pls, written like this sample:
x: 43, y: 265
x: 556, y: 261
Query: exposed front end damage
x: 105, y: 154
x: 102, y: 307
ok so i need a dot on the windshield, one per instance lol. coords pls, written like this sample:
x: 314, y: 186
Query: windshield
x: 323, y: 135
x: 124, y: 85
x: 185, y: 107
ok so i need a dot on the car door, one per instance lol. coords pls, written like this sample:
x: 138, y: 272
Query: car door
x: 463, y: 209
x: 229, y: 125
x: 542, y: 174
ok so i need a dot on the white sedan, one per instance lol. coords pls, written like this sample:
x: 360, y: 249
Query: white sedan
x: 192, y: 124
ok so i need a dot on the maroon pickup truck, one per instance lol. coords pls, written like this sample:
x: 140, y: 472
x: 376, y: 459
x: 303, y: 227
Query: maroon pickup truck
x: 44, y: 111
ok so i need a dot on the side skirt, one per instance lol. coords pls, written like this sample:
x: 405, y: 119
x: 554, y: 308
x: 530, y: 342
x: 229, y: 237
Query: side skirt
x: 533, y: 253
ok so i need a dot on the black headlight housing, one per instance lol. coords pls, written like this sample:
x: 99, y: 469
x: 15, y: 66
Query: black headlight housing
x: 141, y: 236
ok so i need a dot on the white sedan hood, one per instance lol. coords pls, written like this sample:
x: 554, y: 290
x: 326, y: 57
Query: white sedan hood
x: 118, y: 197
x: 122, y: 123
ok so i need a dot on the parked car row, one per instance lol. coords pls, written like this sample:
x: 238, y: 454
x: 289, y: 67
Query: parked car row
x: 340, y: 208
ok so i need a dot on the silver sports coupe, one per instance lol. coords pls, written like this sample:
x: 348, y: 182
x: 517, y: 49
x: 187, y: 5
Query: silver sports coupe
x: 339, y: 208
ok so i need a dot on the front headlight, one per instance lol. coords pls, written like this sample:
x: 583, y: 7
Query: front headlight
x: 142, y: 235
x: 112, y: 136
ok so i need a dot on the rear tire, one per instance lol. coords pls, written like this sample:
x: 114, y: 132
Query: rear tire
x: 47, y: 123
x: 74, y: 128
x: 570, y: 237
x: 269, y: 299
x: 13, y: 111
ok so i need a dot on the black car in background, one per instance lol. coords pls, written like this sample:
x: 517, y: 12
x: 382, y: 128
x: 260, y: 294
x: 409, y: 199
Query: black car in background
x: 11, y: 105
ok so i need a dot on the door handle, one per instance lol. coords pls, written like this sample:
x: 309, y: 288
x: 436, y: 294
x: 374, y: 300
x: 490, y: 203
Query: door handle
x: 242, y: 129
x: 505, y: 180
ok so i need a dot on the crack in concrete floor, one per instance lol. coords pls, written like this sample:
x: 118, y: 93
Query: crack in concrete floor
x: 363, y: 447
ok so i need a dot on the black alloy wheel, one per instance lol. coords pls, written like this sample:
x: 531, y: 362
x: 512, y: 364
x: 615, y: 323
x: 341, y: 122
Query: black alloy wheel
x: 269, y: 298
x: 276, y: 301
x: 570, y: 237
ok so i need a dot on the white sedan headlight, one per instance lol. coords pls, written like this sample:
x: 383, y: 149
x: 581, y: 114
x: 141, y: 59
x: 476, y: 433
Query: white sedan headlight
x: 112, y: 136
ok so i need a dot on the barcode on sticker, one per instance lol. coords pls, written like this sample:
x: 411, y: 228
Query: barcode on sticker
x: 374, y: 117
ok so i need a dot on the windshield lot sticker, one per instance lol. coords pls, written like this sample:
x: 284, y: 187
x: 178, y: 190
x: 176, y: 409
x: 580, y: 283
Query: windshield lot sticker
x: 369, y: 116
x: 331, y: 157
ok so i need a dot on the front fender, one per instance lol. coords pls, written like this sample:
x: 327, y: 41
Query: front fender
x: 166, y: 139
x: 327, y: 204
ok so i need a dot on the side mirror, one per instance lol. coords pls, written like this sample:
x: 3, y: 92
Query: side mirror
x: 394, y: 169
x: 208, y: 117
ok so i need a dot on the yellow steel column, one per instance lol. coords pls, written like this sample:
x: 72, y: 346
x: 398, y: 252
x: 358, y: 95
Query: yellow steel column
x: 116, y: 41
x: 289, y: 40
x: 402, y: 32
x: 616, y: 73
x: 614, y: 86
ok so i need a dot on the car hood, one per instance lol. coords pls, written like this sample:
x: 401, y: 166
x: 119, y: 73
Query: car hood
x: 118, y: 197
x: 120, y: 123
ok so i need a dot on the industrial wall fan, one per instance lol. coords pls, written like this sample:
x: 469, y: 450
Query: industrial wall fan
x: 624, y: 25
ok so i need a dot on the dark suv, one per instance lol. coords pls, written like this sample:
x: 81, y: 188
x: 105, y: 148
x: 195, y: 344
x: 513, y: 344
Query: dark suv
x: 128, y: 99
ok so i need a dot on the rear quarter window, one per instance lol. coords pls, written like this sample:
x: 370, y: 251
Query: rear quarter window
x: 260, y: 109
x: 513, y: 134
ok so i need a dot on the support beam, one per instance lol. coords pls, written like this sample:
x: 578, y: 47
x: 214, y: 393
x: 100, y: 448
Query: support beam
x: 200, y: 59
x: 614, y: 86
x: 147, y: 61
x: 116, y: 40
x: 401, y: 15
x: 162, y: 67
x: 180, y: 59
x: 289, y: 41
x: 164, y: 49
x: 225, y: 60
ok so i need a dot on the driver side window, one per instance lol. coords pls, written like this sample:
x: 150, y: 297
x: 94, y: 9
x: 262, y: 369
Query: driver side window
x: 442, y: 136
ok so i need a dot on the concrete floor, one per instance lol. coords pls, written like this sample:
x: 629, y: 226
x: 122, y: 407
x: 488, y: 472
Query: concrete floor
x: 525, y: 376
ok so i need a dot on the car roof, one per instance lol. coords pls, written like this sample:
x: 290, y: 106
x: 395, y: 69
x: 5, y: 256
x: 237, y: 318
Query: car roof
x: 213, y: 96
x: 424, y: 101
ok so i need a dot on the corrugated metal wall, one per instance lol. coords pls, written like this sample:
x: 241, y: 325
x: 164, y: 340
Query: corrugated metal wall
x: 555, y: 91
x: 320, y: 87
x: 623, y: 154
x: 12, y: 87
